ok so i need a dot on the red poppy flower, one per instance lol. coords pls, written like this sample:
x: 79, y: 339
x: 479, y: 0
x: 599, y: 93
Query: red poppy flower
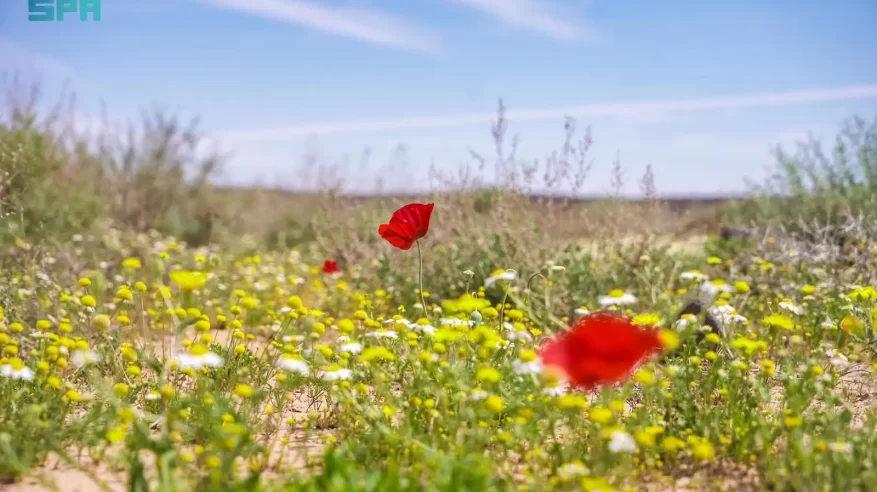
x: 330, y: 266
x: 601, y: 348
x: 407, y: 225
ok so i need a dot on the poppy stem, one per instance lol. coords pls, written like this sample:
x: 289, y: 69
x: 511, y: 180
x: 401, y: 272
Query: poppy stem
x: 502, y: 308
x: 420, y: 279
x: 529, y: 300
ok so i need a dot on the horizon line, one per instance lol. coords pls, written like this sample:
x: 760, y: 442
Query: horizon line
x: 681, y: 196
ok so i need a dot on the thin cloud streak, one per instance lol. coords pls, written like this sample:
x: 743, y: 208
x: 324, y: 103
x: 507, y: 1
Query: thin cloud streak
x: 530, y: 15
x: 20, y: 59
x: 622, y: 109
x: 360, y: 24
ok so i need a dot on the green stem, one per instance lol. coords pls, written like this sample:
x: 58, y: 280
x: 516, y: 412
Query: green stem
x: 548, y: 316
x: 505, y: 298
x: 420, y: 279
x: 529, y: 300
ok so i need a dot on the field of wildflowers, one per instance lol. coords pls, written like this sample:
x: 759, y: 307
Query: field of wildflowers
x: 144, y: 364
x: 476, y: 342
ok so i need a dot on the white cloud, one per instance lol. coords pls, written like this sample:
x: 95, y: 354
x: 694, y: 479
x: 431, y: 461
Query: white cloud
x: 22, y: 60
x: 356, y: 23
x: 618, y: 110
x: 531, y: 15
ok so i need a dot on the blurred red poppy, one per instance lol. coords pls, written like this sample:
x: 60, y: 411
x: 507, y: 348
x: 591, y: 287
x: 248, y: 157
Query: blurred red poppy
x: 330, y: 266
x: 407, y: 225
x: 601, y: 348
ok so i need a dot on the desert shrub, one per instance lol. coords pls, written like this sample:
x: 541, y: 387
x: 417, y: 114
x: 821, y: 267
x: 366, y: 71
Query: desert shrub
x: 812, y: 189
x: 42, y: 192
x: 59, y: 177
x: 157, y: 176
x: 291, y: 231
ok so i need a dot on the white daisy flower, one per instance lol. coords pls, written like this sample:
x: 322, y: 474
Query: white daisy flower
x: 733, y: 318
x: 582, y: 312
x: 293, y: 364
x: 81, y: 358
x: 16, y: 370
x: 621, y: 442
x: 353, y: 348
x: 722, y: 309
x: 693, y: 275
x: 478, y: 394
x: 836, y: 358
x: 556, y: 390
x: 616, y: 298
x: 684, y: 322
x: 383, y: 334
x: 198, y: 357
x: 571, y: 470
x: 532, y: 367
x: 840, y: 360
x: 507, y: 275
x: 338, y: 375
x: 519, y: 335
x: 715, y: 287
x: 726, y: 314
x: 428, y: 329
x: 789, y: 306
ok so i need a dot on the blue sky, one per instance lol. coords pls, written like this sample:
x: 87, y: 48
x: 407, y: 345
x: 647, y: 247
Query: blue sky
x: 699, y: 90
